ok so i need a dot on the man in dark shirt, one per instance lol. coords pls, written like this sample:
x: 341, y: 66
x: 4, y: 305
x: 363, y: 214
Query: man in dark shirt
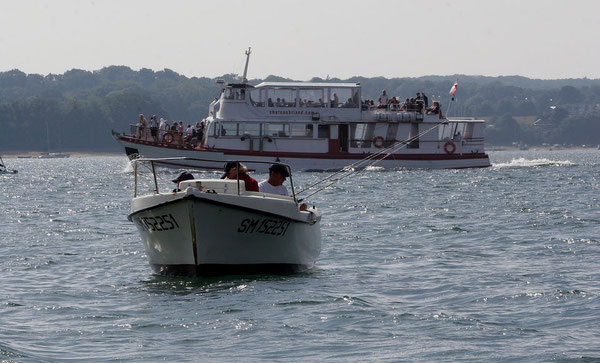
x: 232, y: 172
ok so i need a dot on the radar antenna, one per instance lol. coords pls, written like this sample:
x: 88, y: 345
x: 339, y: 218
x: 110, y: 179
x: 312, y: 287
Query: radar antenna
x: 244, y: 79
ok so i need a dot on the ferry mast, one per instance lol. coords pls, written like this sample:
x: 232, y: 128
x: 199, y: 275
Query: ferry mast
x: 244, y: 79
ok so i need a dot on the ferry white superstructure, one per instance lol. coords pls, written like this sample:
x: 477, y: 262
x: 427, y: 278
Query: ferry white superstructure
x: 320, y: 126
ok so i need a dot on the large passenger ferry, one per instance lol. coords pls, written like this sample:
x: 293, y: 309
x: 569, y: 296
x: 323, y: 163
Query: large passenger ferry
x: 316, y: 126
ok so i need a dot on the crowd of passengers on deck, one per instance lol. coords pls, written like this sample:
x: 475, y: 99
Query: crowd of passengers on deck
x: 164, y: 131
x: 334, y: 103
x: 419, y: 104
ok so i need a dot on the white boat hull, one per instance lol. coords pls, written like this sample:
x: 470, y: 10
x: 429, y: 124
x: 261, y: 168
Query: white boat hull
x: 298, y: 161
x: 196, y: 233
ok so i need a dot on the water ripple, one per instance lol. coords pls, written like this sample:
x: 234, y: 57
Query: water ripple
x: 484, y: 264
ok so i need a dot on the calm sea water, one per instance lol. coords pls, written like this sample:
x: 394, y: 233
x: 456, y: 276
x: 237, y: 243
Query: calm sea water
x: 500, y: 263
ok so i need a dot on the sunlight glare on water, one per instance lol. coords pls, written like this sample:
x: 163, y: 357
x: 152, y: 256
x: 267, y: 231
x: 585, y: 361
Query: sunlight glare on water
x: 434, y: 265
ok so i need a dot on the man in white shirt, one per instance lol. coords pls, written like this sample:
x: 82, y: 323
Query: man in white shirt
x: 189, y: 132
x: 383, y: 98
x: 162, y: 127
x: 274, y: 185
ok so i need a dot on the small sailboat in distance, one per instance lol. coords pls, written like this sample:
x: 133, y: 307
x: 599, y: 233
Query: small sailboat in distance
x: 49, y: 155
x: 4, y: 170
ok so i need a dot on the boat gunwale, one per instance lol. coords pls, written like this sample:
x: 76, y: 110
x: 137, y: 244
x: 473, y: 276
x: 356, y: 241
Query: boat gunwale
x: 193, y: 196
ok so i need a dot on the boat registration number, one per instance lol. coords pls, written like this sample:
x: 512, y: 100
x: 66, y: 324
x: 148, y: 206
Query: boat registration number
x: 158, y: 223
x: 265, y: 226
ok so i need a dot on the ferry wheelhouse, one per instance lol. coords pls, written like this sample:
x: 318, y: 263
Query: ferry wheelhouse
x: 320, y: 126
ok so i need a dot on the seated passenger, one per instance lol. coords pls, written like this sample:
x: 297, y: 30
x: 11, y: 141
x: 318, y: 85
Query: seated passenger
x: 274, y: 185
x: 231, y: 172
x: 270, y: 102
x: 404, y: 106
x: 434, y: 109
x: 335, y: 101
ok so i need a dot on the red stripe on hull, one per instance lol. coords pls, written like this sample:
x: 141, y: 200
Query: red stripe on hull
x: 328, y: 156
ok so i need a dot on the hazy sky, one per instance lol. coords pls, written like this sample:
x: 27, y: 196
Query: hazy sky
x: 302, y: 39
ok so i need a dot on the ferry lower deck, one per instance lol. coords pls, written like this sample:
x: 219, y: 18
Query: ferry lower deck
x: 301, y: 160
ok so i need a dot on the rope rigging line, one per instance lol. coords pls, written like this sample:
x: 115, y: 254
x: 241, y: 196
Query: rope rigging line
x: 352, y: 168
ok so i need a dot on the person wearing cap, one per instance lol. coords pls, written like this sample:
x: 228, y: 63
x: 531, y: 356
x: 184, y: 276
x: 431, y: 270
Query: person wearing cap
x: 274, y: 185
x: 231, y: 172
x: 182, y: 177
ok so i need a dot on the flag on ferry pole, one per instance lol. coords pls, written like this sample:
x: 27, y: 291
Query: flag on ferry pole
x: 453, y: 89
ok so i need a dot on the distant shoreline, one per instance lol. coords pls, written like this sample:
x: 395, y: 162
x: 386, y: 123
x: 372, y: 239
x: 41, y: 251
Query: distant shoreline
x: 85, y: 154
x: 74, y: 154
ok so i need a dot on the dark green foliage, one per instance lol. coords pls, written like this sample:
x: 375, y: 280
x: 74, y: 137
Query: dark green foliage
x: 503, y: 128
x: 79, y: 108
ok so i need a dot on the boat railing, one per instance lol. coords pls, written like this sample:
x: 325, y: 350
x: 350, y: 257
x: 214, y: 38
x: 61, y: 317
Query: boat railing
x: 154, y: 161
x: 168, y: 137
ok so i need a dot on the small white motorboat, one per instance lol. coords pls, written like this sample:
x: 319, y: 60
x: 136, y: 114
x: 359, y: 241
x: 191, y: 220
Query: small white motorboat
x: 216, y: 227
x: 4, y: 170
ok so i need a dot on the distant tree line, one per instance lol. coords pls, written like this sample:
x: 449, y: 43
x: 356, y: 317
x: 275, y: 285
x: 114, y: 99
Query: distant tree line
x: 78, y: 109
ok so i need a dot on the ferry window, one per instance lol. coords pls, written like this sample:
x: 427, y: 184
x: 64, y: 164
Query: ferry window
x: 282, y: 97
x: 302, y: 130
x: 229, y: 94
x: 446, y: 132
x: 312, y: 97
x: 279, y: 130
x: 344, y: 98
x: 250, y: 128
x: 323, y: 131
x: 256, y: 99
x: 229, y: 129
x: 361, y: 135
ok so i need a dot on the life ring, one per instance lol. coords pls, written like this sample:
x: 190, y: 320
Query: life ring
x: 378, y: 142
x: 449, y: 147
x: 168, y: 138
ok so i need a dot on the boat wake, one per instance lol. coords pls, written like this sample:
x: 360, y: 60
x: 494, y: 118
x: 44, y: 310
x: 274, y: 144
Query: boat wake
x: 522, y: 162
x: 127, y: 168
